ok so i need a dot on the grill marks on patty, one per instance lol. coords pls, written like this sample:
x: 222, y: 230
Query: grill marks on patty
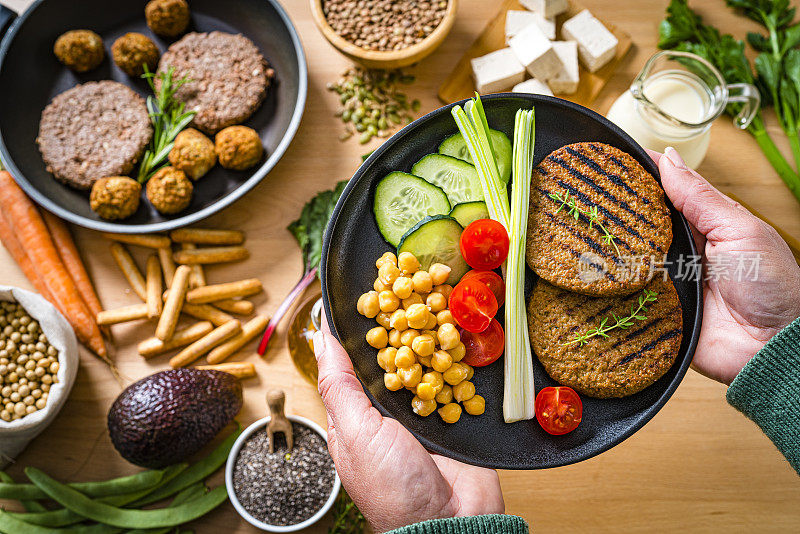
x: 629, y: 203
x: 627, y: 361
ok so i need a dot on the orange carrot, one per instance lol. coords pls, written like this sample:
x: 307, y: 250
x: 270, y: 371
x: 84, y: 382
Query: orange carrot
x: 28, y: 225
x: 18, y: 253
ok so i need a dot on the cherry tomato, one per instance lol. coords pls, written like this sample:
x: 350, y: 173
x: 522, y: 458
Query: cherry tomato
x: 492, y: 280
x: 558, y: 410
x: 484, y: 244
x: 473, y: 305
x: 484, y: 347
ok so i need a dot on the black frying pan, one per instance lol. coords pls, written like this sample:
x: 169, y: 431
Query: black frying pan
x: 30, y: 76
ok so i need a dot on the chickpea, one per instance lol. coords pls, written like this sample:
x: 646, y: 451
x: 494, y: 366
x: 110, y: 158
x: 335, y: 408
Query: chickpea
x: 455, y: 374
x: 415, y: 298
x: 425, y: 361
x: 404, y: 358
x: 470, y: 371
x: 445, y: 317
x: 458, y: 352
x: 450, y: 413
x: 407, y: 336
x: 431, y: 324
x: 424, y: 345
x: 388, y: 301
x: 436, y: 302
x: 380, y: 286
x: 388, y: 273
x: 431, y: 333
x: 449, y: 337
x: 464, y: 391
x: 384, y: 319
x: 445, y: 395
x: 377, y: 337
x: 444, y: 289
x: 398, y: 320
x: 417, y: 316
x: 475, y: 406
x: 410, y: 376
x: 439, y: 273
x: 434, y: 378
x: 388, y: 257
x: 394, y: 338
x: 441, y: 361
x: 392, y: 381
x: 408, y: 263
x: 425, y: 391
x: 367, y: 306
x: 403, y: 287
x: 423, y: 407
x: 422, y: 282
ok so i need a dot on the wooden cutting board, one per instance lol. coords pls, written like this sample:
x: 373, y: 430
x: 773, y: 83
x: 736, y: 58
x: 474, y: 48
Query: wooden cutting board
x: 459, y: 84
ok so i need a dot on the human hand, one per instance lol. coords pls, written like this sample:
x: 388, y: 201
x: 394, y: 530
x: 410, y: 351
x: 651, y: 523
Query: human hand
x: 739, y: 316
x: 389, y: 475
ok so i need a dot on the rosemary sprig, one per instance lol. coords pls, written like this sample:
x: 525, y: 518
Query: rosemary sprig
x: 575, y: 211
x: 168, y: 118
x: 604, y: 327
x: 347, y: 519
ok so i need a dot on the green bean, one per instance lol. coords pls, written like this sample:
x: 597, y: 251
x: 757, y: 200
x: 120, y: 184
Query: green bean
x: 30, y: 506
x: 12, y: 525
x: 115, y: 486
x: 196, y: 472
x: 126, y: 518
x: 193, y: 492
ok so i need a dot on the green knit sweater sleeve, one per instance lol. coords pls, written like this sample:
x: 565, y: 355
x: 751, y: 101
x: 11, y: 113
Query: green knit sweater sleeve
x: 479, y: 524
x: 767, y: 391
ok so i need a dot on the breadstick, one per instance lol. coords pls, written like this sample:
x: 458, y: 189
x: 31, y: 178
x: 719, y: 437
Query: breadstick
x: 205, y: 312
x: 129, y: 269
x: 198, y: 277
x: 205, y: 344
x: 239, y: 307
x: 142, y: 240
x: 172, y: 307
x: 122, y: 315
x: 153, y: 346
x: 205, y: 236
x: 238, y: 369
x: 240, y: 288
x: 250, y: 330
x: 167, y: 265
x: 154, y: 302
x: 211, y: 255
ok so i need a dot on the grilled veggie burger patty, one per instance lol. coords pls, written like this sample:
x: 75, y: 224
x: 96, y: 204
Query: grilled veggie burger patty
x: 607, y: 189
x: 622, y: 364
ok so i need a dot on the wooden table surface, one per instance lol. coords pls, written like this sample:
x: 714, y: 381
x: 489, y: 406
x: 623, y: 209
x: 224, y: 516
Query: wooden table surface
x: 697, y: 466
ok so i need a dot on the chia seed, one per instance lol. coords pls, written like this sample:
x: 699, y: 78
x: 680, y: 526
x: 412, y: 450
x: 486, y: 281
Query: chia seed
x: 284, y: 488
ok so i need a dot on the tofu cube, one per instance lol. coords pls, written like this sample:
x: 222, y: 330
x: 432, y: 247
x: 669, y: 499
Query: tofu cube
x: 534, y: 86
x: 497, y: 71
x: 535, y: 51
x: 567, y: 79
x: 546, y: 8
x: 516, y: 20
x: 596, y: 45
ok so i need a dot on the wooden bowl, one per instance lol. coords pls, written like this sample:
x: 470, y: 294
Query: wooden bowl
x: 393, y: 59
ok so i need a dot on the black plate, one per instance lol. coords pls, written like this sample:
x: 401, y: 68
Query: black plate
x: 352, y: 244
x: 30, y: 76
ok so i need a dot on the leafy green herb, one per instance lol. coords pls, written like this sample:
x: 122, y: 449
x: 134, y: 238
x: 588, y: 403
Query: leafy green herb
x: 168, y: 117
x: 310, y: 227
x: 347, y: 519
x: 575, y: 211
x: 637, y: 314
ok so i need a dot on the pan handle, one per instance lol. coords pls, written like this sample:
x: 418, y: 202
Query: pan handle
x: 6, y: 16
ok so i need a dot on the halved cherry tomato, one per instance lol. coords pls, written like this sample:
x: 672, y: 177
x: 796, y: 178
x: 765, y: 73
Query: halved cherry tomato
x: 484, y: 244
x: 484, y: 347
x: 558, y: 409
x: 473, y: 305
x: 493, y: 281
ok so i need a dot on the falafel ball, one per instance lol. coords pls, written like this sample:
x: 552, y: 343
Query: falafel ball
x: 167, y: 17
x: 115, y: 197
x: 133, y: 51
x: 238, y: 147
x: 79, y: 50
x: 169, y: 191
x: 193, y: 153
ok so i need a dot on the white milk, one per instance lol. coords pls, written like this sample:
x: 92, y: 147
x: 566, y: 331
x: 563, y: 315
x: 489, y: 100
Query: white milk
x: 677, y: 93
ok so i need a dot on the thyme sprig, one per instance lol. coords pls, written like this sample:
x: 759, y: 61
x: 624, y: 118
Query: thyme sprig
x: 637, y: 314
x: 347, y: 519
x: 575, y: 211
x: 168, y: 118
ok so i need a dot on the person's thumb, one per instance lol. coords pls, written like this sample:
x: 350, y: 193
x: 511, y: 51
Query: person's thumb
x: 714, y: 215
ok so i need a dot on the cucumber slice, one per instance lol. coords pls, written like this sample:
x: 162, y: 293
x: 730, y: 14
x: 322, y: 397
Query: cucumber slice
x: 466, y: 212
x: 436, y: 239
x: 402, y: 200
x: 458, y: 178
x: 456, y: 147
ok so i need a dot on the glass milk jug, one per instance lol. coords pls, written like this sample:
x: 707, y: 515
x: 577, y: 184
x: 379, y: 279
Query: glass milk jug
x: 674, y: 100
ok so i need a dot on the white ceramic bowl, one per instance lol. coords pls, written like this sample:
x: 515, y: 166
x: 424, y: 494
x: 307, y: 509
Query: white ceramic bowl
x: 258, y: 425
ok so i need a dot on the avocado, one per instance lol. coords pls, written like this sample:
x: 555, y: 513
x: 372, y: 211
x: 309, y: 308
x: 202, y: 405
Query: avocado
x: 164, y: 418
